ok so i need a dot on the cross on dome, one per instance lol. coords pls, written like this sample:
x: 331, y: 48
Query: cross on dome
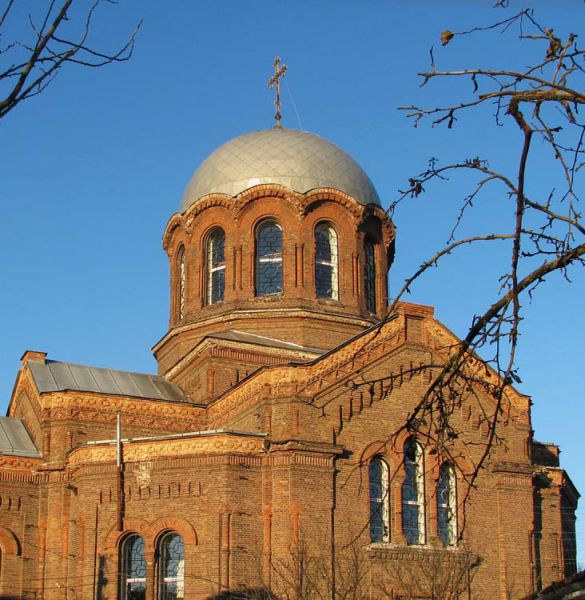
x: 274, y: 82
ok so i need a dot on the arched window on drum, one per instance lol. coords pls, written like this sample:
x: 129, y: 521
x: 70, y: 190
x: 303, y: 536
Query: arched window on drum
x: 268, y: 258
x: 370, y: 275
x: 133, y: 568
x: 215, y: 266
x: 171, y: 567
x: 326, y: 262
x: 181, y: 282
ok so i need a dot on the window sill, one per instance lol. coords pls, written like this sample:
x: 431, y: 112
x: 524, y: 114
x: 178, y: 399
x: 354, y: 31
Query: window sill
x: 329, y: 301
x: 411, y: 548
x: 269, y: 297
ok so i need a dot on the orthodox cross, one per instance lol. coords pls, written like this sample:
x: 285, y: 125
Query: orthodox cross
x: 279, y: 71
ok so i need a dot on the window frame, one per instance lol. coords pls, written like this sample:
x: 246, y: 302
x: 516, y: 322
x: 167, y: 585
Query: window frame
x: 164, y: 579
x: 380, y: 506
x: 211, y: 269
x: 417, y: 484
x: 126, y: 561
x: 332, y: 263
x: 276, y: 258
x: 447, y: 534
x: 370, y: 275
x: 181, y: 281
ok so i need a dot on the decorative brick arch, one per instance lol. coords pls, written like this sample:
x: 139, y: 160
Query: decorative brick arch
x: 9, y: 542
x: 317, y: 196
x: 178, y: 525
x: 114, y: 536
x: 272, y: 190
x: 376, y: 448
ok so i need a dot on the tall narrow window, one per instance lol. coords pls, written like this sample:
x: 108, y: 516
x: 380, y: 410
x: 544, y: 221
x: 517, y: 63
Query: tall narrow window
x: 447, y: 505
x: 133, y: 571
x: 413, y: 509
x: 326, y: 262
x: 379, y: 501
x: 171, y: 567
x: 215, y: 255
x: 268, y: 259
x: 181, y: 276
x: 370, y: 275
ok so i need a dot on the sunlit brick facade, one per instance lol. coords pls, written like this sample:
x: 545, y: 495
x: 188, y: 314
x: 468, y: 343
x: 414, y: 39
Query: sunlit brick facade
x: 262, y: 445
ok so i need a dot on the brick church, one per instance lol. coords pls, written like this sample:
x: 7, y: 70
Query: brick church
x: 259, y: 460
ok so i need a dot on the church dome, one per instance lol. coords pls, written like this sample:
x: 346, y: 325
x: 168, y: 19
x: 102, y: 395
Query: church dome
x: 298, y: 160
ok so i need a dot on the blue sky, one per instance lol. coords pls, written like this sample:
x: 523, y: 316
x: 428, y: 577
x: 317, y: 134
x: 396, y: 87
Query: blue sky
x: 92, y: 170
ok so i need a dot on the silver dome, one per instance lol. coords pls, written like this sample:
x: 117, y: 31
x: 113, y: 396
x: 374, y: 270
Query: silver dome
x: 299, y: 160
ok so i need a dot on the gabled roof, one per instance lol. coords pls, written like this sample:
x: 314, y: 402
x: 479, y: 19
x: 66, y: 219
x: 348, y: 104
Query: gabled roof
x: 56, y: 376
x: 14, y: 438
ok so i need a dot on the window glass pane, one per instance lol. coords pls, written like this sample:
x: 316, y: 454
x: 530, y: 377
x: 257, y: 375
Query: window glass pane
x: 269, y: 241
x: 217, y: 286
x: 133, y: 569
x: 269, y: 278
x: 409, y: 489
x: 326, y: 262
x: 322, y: 243
x: 410, y: 523
x: 172, y: 567
x: 324, y: 281
x: 215, y: 251
x: 217, y: 248
x: 268, y: 259
x: 370, y: 276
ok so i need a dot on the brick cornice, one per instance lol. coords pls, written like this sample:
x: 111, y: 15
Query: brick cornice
x: 22, y: 463
x: 63, y: 406
x: 261, y: 312
x: 211, y: 347
x: 137, y: 451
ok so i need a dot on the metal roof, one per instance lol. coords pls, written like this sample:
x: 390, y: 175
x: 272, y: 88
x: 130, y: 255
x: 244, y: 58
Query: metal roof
x: 299, y: 160
x: 55, y: 376
x: 14, y: 438
x: 262, y: 340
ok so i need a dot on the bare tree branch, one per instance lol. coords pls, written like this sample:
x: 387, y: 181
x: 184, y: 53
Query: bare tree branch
x: 547, y: 232
x: 31, y: 65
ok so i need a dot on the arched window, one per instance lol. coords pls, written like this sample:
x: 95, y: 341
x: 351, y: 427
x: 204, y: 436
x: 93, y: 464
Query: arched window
x: 379, y: 500
x: 268, y: 258
x: 133, y: 571
x: 171, y: 567
x: 215, y: 258
x: 326, y: 262
x: 370, y: 275
x: 413, y: 507
x: 447, y: 505
x: 181, y: 276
